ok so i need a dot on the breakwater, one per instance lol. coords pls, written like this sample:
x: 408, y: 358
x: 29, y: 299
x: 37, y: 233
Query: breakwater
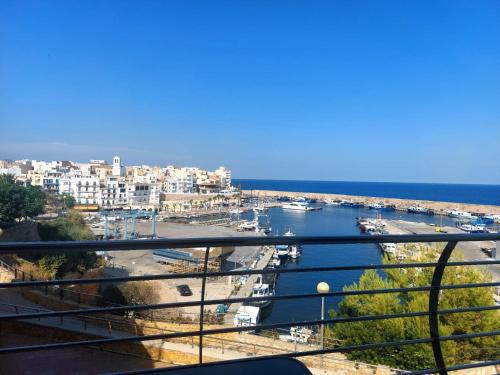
x: 400, y: 204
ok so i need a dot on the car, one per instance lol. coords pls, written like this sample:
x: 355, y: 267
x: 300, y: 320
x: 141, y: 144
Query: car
x: 184, y: 290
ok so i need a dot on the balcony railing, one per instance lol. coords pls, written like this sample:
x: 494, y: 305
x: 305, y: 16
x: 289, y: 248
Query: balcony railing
x: 433, y: 313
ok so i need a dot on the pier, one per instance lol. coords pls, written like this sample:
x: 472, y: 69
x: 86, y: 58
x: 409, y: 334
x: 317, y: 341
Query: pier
x: 245, y: 290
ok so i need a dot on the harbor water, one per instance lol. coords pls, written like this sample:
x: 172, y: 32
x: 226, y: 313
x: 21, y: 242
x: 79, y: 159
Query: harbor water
x: 331, y: 220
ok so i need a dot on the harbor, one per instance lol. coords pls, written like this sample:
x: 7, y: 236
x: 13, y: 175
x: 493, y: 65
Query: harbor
x: 438, y: 208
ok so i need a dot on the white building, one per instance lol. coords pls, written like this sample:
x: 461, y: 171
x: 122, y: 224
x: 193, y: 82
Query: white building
x: 225, y: 177
x: 85, y: 189
x: 118, y: 169
x: 179, y: 181
x: 113, y: 192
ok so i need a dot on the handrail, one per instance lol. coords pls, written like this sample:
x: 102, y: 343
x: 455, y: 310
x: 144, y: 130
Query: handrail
x: 434, y: 289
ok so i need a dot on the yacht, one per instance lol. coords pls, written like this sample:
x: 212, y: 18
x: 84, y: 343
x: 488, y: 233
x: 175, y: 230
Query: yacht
x: 297, y: 205
x: 460, y: 214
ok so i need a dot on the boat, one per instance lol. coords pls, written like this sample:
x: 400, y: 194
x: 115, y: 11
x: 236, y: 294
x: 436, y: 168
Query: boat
x: 420, y: 210
x: 297, y: 206
x: 470, y: 228
x: 460, y: 214
x: 300, y: 335
x: 275, y: 262
x: 331, y: 202
x: 380, y: 206
x: 260, y: 289
x: 281, y: 250
x: 247, y: 316
x: 349, y: 203
x: 294, y: 252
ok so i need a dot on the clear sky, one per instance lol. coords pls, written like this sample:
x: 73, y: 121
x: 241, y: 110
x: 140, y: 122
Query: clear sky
x: 324, y: 90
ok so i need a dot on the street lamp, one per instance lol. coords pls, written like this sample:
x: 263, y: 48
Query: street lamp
x: 322, y: 288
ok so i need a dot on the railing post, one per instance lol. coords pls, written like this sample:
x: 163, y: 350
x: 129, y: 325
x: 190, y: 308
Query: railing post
x: 202, y: 304
x: 433, y: 306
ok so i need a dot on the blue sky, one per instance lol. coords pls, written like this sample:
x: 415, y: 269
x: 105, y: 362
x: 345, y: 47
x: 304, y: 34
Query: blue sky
x: 333, y: 90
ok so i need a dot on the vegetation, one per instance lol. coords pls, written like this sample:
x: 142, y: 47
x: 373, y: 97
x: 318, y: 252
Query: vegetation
x: 19, y: 202
x: 72, y: 227
x: 134, y: 293
x: 417, y: 356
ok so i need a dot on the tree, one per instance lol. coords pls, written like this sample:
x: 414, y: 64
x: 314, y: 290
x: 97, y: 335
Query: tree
x: 12, y: 199
x: 69, y: 201
x: 419, y: 356
x: 18, y: 202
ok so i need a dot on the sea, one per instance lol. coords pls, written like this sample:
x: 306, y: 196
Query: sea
x: 459, y: 193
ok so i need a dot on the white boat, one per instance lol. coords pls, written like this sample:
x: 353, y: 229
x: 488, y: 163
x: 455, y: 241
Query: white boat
x: 281, y: 250
x: 331, y: 202
x: 297, y: 206
x: 294, y: 252
x: 247, y: 316
x: 275, y: 261
x: 460, y: 214
x: 300, y: 335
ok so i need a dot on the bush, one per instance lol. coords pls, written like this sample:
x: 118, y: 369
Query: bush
x: 133, y: 293
x: 70, y: 228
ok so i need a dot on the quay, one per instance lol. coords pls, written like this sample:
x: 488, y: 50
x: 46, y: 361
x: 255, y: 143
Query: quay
x: 245, y: 290
x: 471, y: 250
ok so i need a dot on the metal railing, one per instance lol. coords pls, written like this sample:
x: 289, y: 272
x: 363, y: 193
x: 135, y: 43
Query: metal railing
x: 433, y: 313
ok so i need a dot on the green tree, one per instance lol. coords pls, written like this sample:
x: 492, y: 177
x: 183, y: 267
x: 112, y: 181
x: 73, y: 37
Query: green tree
x: 34, y: 201
x: 418, y: 356
x: 12, y: 199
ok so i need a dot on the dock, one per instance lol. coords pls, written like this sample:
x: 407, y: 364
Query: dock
x: 246, y: 289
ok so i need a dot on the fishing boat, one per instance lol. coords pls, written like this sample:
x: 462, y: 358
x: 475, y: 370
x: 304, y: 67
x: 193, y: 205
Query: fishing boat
x: 281, y: 250
x: 349, y: 203
x: 260, y: 289
x: 275, y: 262
x: 380, y: 206
x: 420, y: 210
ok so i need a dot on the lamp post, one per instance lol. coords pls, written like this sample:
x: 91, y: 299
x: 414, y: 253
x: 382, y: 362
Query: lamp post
x: 322, y: 288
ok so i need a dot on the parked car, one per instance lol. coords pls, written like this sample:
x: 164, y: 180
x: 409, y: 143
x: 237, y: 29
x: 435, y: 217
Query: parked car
x: 184, y: 290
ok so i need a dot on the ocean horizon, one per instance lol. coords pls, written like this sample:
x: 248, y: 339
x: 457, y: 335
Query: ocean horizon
x: 439, y: 192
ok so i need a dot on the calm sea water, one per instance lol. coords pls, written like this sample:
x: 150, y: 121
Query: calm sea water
x: 328, y: 221
x: 460, y: 193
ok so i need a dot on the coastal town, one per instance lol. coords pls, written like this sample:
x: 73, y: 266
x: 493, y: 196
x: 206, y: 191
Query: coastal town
x: 141, y: 202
